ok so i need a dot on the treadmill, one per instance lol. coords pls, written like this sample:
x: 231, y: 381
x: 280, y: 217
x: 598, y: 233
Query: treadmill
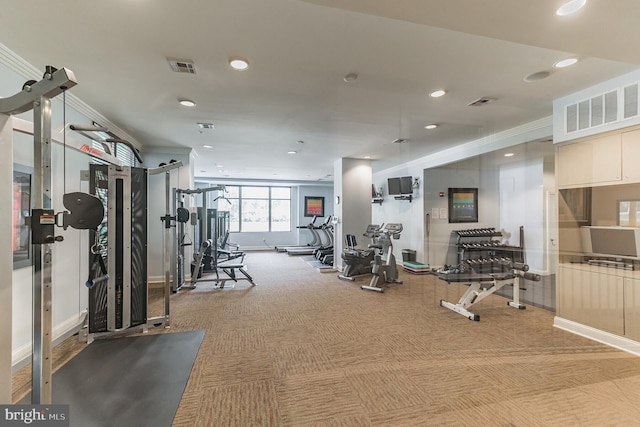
x: 311, y: 249
x: 315, y: 237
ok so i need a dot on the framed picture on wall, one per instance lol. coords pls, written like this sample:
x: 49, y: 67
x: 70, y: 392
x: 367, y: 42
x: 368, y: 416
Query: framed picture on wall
x: 21, y: 208
x: 313, y: 206
x: 463, y: 205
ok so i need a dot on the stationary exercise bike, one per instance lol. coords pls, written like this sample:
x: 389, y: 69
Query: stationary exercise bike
x: 358, y: 261
x: 384, y: 266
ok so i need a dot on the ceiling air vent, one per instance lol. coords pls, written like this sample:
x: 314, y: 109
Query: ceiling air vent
x: 206, y: 126
x: 182, y: 66
x: 399, y: 141
x: 481, y: 101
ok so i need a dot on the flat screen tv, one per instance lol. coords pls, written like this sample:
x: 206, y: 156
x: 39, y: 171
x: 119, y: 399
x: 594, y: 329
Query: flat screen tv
x: 406, y: 185
x: 394, y: 186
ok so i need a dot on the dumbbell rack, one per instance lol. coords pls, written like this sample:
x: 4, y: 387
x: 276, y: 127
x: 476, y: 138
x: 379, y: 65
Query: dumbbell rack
x: 486, y: 244
x: 482, y: 242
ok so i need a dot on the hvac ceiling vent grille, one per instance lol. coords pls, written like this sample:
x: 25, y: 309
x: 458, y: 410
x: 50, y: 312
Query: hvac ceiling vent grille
x: 182, y: 66
x: 603, y: 109
x: 481, y: 101
x: 399, y: 141
x: 206, y: 126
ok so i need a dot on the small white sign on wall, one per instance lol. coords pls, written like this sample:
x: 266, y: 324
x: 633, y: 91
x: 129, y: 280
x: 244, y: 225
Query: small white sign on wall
x: 444, y: 213
x: 435, y: 213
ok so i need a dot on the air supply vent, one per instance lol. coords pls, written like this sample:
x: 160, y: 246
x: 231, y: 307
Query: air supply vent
x: 182, y: 66
x: 206, y: 126
x: 481, y: 101
x: 605, y: 107
x: 399, y: 141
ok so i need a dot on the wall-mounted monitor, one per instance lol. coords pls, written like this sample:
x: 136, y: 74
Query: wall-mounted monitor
x: 406, y: 185
x: 402, y: 185
x: 394, y: 186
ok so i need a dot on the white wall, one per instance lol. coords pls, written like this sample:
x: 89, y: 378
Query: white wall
x: 472, y: 173
x: 509, y: 196
x: 522, y: 203
x: 409, y: 214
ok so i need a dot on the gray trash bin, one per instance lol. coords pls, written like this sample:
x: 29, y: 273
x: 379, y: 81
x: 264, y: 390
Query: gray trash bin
x: 408, y: 255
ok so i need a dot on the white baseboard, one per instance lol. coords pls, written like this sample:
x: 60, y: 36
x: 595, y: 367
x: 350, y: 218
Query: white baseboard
x: 607, y: 338
x: 21, y: 356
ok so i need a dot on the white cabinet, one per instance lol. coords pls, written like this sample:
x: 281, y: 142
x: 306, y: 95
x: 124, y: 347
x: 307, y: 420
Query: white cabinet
x: 631, y: 156
x: 632, y: 309
x: 590, y: 162
x: 591, y: 297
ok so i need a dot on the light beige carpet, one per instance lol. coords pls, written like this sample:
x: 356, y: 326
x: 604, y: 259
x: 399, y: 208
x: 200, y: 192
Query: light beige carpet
x: 306, y: 349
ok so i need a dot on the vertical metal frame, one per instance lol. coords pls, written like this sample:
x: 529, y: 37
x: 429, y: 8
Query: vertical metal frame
x: 6, y: 284
x: 42, y: 255
x: 119, y: 248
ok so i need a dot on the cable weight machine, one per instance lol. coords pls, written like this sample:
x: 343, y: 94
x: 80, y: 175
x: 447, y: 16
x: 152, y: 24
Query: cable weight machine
x: 36, y: 96
x: 118, y: 298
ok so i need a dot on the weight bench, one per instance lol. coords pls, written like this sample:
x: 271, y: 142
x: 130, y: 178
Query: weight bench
x: 227, y: 267
x: 481, y: 285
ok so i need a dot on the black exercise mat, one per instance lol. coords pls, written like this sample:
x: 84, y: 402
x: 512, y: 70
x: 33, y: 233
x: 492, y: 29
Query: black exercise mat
x: 133, y: 381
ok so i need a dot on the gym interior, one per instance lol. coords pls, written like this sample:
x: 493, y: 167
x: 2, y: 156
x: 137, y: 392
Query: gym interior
x: 489, y: 282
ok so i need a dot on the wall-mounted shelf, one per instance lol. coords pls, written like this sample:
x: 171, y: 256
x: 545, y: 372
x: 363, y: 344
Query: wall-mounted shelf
x: 408, y: 197
x: 377, y: 200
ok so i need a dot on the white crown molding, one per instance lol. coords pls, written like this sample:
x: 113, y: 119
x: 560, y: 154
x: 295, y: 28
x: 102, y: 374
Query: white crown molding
x: 15, y: 63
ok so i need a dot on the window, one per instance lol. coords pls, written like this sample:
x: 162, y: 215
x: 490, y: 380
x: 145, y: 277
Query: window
x: 259, y: 209
x: 120, y: 151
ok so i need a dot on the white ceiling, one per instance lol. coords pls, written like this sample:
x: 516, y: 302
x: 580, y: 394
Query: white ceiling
x: 299, y: 51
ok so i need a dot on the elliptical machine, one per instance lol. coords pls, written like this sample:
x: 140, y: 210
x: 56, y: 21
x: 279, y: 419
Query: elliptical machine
x: 358, y: 261
x: 384, y: 266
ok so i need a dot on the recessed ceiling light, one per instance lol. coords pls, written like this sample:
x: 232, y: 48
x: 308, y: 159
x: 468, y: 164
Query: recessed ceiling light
x: 565, y: 63
x: 207, y: 146
x: 367, y: 157
x: 291, y: 152
x: 187, y: 103
x: 438, y: 93
x: 570, y: 7
x: 508, y: 155
x: 238, y: 63
x: 431, y: 126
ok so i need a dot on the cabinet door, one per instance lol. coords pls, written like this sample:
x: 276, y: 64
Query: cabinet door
x: 590, y: 162
x: 591, y: 298
x: 632, y: 309
x: 631, y: 156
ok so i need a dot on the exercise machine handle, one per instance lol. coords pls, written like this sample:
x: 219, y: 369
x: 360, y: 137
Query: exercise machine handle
x: 92, y: 282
